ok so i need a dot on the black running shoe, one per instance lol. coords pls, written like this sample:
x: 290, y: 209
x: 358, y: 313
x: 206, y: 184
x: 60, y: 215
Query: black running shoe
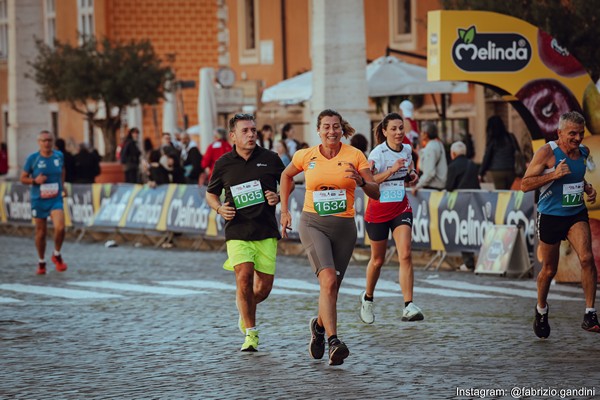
x: 338, y: 351
x: 590, y: 322
x: 540, y: 325
x: 316, y: 347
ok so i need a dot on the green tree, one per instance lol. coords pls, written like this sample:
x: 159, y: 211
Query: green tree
x: 575, y: 24
x: 100, y: 76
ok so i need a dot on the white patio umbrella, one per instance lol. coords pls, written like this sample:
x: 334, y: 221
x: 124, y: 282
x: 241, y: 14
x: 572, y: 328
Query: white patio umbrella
x: 169, y: 122
x: 207, y: 107
x: 389, y: 76
x: 193, y: 130
x: 290, y: 91
x: 386, y: 76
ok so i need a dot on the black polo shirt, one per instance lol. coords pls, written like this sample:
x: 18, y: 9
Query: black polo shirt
x: 255, y: 222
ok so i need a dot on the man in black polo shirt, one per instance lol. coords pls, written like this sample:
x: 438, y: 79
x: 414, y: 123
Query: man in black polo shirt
x: 249, y: 175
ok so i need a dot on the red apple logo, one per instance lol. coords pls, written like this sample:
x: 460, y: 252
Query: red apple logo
x: 556, y: 57
x: 547, y: 100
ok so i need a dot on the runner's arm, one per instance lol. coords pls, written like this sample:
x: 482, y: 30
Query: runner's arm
x: 369, y: 185
x: 286, y: 186
x: 543, y: 159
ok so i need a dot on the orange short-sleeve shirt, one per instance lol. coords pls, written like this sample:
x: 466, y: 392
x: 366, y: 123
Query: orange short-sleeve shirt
x: 321, y: 173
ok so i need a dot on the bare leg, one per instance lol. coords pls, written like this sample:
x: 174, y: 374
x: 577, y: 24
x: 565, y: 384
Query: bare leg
x: 328, y: 300
x: 549, y: 254
x: 378, y: 249
x: 263, y: 283
x: 580, y: 238
x: 58, y: 220
x: 244, y: 277
x: 40, y: 237
x: 402, y: 237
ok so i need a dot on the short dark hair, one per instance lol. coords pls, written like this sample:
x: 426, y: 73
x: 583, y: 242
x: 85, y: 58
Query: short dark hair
x: 239, y: 117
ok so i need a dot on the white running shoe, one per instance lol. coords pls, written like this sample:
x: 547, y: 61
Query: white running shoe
x: 412, y: 313
x: 366, y: 309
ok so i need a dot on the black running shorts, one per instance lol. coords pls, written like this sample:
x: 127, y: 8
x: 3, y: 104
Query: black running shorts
x: 380, y: 230
x: 551, y: 229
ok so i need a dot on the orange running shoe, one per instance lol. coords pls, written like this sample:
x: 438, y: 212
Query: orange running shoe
x: 60, y: 265
x: 41, y: 270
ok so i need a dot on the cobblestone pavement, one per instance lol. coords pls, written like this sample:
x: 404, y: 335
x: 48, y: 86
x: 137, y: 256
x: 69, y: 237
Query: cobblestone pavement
x: 136, y: 323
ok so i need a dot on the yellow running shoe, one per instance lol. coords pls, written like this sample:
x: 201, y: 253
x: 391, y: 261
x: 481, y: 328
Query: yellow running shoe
x: 251, y: 342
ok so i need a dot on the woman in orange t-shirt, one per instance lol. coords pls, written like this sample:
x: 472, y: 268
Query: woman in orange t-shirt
x: 332, y: 171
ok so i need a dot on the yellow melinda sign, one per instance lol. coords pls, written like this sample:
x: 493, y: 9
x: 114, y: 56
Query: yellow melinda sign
x: 514, y: 56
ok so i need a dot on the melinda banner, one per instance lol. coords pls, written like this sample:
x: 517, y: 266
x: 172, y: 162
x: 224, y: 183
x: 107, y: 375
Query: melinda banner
x: 450, y: 221
x: 542, y: 77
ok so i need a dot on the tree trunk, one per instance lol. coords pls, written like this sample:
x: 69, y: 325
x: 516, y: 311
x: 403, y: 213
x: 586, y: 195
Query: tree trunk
x: 110, y: 143
x: 109, y: 129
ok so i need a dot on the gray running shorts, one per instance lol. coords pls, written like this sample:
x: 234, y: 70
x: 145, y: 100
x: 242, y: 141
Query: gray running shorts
x: 329, y: 241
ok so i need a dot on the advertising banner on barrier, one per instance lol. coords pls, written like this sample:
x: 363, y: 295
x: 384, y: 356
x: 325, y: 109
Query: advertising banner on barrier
x: 449, y: 221
x: 17, y: 203
x: 79, y: 205
x: 464, y: 219
x: 187, y: 211
x: 424, y: 217
x: 145, y: 207
x: 113, y: 209
x: 459, y: 220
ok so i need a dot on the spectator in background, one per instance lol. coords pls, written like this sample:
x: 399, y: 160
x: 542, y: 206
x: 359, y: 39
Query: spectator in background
x: 3, y: 159
x: 148, y: 147
x: 167, y: 145
x: 433, y: 164
x: 265, y: 137
x: 282, y: 150
x: 467, y: 139
x: 87, y: 165
x: 287, y: 134
x: 499, y: 158
x: 191, y: 159
x: 164, y: 169
x: 462, y: 174
x: 69, y: 160
x: 360, y: 142
x: 215, y: 150
x: 130, y: 156
x: 412, y: 129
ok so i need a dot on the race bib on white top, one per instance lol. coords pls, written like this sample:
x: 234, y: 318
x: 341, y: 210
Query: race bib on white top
x: 247, y: 194
x: 48, y: 190
x: 329, y: 202
x: 391, y: 191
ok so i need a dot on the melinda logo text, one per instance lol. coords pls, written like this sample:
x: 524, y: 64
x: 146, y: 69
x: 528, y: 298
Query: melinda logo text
x: 490, y: 52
